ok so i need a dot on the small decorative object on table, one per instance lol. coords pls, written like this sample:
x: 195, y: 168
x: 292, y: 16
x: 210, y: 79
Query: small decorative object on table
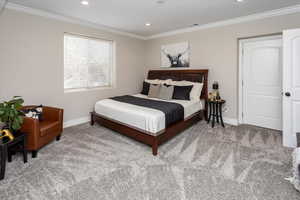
x: 215, y: 111
x: 7, y: 134
x: 216, y: 93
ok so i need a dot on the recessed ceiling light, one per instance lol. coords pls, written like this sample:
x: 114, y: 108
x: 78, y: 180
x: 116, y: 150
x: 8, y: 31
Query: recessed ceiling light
x: 83, y: 2
x: 160, y: 1
x: 148, y: 24
x: 239, y: 1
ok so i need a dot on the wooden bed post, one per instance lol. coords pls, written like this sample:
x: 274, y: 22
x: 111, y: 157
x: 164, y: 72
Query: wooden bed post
x: 154, y: 146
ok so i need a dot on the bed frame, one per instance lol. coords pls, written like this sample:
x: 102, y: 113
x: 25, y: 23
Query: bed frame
x: 174, y: 129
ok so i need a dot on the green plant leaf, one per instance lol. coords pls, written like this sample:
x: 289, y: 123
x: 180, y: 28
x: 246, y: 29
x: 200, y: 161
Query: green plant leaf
x: 10, y: 114
x: 21, y: 119
x: 15, y: 126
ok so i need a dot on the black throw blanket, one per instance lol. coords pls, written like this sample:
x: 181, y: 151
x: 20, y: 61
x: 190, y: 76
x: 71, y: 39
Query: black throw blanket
x: 174, y: 112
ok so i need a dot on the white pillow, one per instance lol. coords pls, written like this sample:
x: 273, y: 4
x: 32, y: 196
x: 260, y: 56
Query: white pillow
x: 155, y: 81
x: 196, y: 90
x: 168, y: 81
x: 181, y: 83
x: 158, y: 81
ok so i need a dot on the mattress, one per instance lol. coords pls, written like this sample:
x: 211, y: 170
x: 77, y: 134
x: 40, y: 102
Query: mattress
x: 149, y: 120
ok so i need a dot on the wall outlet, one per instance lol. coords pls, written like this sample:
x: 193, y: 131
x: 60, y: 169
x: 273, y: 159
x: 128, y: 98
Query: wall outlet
x: 225, y: 109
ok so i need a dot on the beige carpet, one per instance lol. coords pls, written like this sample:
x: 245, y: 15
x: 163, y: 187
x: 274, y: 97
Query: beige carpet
x: 236, y: 163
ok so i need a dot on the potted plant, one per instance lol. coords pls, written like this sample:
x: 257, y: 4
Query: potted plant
x: 11, y: 114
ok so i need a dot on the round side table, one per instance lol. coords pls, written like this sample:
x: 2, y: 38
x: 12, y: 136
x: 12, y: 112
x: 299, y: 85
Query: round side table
x: 215, y: 111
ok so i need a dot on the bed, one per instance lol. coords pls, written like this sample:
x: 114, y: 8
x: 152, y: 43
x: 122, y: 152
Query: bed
x: 148, y: 125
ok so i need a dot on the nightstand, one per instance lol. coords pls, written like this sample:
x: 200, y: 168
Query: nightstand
x: 215, y: 111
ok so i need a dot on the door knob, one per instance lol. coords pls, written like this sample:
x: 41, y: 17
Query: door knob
x: 287, y: 94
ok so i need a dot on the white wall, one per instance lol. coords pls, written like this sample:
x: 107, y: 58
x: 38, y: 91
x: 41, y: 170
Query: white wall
x: 31, y: 63
x: 217, y: 50
x: 31, y: 59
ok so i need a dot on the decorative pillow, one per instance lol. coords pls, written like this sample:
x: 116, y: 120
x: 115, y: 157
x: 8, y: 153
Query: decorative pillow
x: 166, y: 92
x: 146, y: 87
x: 154, y: 91
x: 196, y: 90
x: 166, y: 82
x: 158, y: 81
x: 154, y: 81
x: 182, y: 92
x: 35, y: 112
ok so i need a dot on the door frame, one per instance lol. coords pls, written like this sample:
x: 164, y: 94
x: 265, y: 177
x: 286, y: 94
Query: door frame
x: 241, y: 43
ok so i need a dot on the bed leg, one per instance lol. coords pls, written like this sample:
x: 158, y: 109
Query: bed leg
x: 92, y: 122
x: 155, y: 147
x: 206, y: 111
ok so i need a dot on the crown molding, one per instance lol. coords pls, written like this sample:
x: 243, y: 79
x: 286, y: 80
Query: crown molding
x: 59, y: 17
x: 263, y: 15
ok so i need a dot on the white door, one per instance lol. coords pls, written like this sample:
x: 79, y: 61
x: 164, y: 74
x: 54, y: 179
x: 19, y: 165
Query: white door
x: 262, y: 82
x: 291, y: 87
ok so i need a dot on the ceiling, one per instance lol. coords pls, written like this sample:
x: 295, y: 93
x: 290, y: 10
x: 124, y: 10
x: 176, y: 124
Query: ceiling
x: 131, y: 15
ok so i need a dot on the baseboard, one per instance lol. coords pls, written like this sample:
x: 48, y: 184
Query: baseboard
x: 231, y: 121
x: 77, y: 121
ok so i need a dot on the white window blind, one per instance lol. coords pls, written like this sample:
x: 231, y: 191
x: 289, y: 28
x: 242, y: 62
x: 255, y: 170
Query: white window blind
x: 88, y: 62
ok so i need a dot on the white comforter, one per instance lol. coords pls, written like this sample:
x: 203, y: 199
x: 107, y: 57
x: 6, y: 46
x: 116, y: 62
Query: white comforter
x: 147, y: 119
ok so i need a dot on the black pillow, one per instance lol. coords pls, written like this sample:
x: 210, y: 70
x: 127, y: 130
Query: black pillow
x: 35, y: 112
x: 182, y: 92
x: 146, y: 87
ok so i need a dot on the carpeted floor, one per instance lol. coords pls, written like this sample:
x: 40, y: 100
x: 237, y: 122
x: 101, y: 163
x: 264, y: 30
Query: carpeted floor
x: 236, y: 163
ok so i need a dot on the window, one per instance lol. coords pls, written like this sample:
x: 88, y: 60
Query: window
x: 88, y: 62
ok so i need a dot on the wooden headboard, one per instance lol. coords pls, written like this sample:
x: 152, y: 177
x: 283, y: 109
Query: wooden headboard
x: 193, y: 75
